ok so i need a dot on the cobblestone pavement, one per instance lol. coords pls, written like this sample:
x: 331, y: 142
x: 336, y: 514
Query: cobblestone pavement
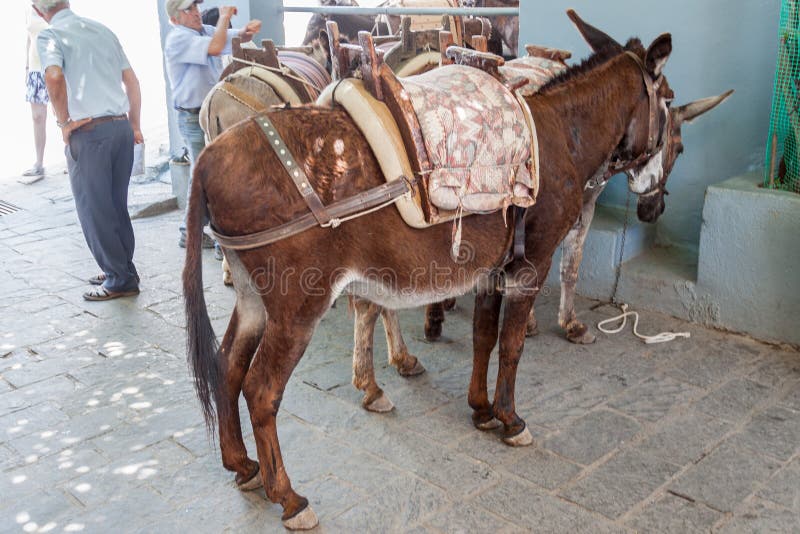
x: 100, y: 430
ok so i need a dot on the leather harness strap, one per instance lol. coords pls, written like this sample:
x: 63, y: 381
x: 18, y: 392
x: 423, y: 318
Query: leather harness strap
x: 519, y: 233
x: 366, y: 200
x: 332, y: 215
x: 651, y: 95
x: 295, y: 171
x: 652, y: 139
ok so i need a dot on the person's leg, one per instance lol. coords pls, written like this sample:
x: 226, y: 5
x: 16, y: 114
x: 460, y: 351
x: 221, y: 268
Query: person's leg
x: 89, y: 158
x: 36, y: 95
x: 194, y: 138
x: 121, y: 164
x: 39, y: 116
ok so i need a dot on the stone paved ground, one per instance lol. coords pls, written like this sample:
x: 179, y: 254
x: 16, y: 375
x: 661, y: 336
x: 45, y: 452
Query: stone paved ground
x: 100, y: 430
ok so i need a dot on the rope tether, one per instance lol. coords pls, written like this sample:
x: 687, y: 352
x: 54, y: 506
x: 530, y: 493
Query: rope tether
x: 663, y: 337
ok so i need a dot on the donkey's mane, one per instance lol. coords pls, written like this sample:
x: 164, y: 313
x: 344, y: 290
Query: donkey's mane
x: 605, y: 54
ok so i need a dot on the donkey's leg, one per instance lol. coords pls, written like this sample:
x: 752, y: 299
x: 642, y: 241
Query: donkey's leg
x: 237, y: 349
x: 484, y: 335
x: 366, y: 313
x: 512, y: 341
x: 576, y: 331
x: 532, y: 328
x: 227, y: 277
x: 282, y: 346
x: 239, y: 344
x: 405, y: 363
x: 434, y: 317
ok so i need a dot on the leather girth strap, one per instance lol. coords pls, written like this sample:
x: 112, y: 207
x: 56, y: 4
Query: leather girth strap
x: 296, y: 172
x: 519, y: 233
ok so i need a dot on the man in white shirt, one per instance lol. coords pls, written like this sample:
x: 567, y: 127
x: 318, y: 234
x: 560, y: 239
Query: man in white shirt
x: 85, y: 70
x: 193, y: 53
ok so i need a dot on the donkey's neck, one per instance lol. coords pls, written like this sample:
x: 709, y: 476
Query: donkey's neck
x: 595, y: 110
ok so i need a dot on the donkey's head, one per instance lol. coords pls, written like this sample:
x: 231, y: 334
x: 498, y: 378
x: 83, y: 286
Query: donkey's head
x: 653, y: 141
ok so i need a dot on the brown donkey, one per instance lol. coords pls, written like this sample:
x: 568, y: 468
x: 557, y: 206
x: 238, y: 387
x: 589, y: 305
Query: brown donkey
x: 572, y: 251
x: 610, y: 110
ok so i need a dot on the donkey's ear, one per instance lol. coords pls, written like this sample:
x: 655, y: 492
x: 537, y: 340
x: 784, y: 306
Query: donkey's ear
x: 597, y: 39
x: 323, y: 37
x: 658, y: 54
x: 689, y: 112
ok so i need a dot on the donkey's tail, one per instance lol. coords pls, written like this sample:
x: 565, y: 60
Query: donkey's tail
x: 201, y: 342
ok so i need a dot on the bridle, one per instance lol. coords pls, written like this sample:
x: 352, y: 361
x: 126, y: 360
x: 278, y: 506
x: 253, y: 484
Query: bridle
x: 653, y: 145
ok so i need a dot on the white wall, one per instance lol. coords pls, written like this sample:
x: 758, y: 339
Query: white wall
x: 136, y: 26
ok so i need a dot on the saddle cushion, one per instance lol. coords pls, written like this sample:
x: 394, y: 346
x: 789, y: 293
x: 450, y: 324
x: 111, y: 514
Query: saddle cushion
x: 375, y: 121
x: 420, y: 63
x: 537, y: 70
x: 285, y: 91
x: 477, y: 138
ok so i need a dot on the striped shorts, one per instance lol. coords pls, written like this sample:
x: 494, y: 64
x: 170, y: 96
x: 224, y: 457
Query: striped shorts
x: 36, y: 92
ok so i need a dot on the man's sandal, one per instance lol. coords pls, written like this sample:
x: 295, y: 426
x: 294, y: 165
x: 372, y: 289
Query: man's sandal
x: 98, y: 279
x: 101, y: 293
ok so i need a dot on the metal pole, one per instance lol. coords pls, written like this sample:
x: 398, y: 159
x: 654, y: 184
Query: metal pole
x: 355, y: 10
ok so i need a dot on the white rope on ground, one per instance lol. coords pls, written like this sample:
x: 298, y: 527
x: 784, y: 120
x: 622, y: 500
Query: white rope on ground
x: 663, y: 337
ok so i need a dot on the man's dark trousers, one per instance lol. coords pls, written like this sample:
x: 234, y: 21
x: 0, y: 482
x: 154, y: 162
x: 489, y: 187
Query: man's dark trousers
x: 100, y: 158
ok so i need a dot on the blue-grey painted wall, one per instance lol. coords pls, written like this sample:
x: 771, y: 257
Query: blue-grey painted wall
x: 271, y: 19
x: 747, y: 273
x: 717, y: 45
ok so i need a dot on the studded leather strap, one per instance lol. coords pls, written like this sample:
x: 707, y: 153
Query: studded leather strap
x: 295, y: 171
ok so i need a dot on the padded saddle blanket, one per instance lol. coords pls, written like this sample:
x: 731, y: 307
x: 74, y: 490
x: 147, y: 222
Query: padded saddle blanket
x: 477, y: 138
x: 537, y: 70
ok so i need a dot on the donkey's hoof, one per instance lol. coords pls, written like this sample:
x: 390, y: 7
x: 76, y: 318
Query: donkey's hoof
x: 522, y: 439
x: 305, y: 520
x: 227, y: 279
x: 380, y: 405
x: 433, y: 332
x: 491, y: 424
x: 416, y: 369
x: 581, y: 337
x: 532, y: 330
x: 254, y: 482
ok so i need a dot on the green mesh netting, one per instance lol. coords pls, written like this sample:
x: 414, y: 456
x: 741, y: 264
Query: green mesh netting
x: 783, y: 144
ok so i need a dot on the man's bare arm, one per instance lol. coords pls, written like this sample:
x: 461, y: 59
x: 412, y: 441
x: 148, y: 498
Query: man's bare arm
x: 220, y: 38
x: 57, y: 90
x: 134, y: 92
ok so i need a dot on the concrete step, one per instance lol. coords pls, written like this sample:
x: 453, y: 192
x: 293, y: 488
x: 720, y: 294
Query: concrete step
x: 664, y: 279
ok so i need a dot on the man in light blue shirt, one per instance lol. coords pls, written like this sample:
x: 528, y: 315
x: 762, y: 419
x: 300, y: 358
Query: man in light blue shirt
x: 192, y: 52
x: 85, y: 71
